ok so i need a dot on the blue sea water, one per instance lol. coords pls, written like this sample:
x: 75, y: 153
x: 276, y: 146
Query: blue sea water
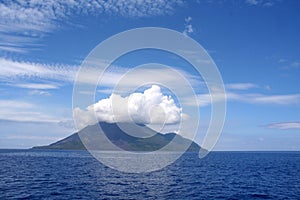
x: 45, y: 174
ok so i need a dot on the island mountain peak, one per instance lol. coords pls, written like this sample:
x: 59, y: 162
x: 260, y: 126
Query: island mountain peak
x: 148, y: 140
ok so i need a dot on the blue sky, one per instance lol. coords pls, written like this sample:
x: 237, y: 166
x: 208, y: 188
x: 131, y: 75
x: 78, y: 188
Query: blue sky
x: 254, y: 43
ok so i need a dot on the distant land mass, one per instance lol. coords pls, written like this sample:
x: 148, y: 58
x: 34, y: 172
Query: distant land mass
x: 124, y: 141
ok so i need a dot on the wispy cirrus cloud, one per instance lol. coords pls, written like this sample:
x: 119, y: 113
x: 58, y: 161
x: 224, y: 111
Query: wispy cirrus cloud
x: 13, y: 70
x: 234, y: 94
x: 40, y: 76
x: 60, y: 74
x: 284, y: 125
x: 257, y: 98
x: 24, y: 23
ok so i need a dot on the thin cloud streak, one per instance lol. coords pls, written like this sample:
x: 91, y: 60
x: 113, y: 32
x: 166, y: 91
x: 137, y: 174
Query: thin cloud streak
x: 284, y: 125
x: 265, y: 3
x: 240, y: 86
x: 14, y: 104
x: 25, y: 115
x: 39, y: 86
x: 22, y: 111
x: 254, y: 98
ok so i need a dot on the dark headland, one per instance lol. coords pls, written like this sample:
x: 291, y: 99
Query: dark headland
x: 125, y: 141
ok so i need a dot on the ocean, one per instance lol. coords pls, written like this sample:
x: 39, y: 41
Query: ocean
x: 55, y: 174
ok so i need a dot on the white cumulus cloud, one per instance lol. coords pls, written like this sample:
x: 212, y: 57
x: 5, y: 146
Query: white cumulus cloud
x: 151, y: 106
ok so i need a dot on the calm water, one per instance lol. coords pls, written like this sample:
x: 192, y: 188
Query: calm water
x: 28, y: 174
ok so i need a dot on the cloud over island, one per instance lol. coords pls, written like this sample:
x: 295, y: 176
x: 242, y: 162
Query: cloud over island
x: 151, y: 106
